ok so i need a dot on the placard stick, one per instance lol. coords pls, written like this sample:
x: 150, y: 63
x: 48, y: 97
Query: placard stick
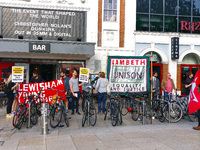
x: 151, y: 75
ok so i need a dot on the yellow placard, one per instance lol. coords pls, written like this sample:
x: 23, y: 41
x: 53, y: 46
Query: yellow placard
x: 84, y: 71
x: 17, y: 70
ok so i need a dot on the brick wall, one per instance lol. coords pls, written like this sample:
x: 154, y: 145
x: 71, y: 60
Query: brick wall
x: 178, y: 78
x: 99, y: 40
x: 165, y: 70
x: 122, y: 23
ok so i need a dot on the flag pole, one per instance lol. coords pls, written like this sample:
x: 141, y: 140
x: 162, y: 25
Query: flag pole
x: 151, y: 75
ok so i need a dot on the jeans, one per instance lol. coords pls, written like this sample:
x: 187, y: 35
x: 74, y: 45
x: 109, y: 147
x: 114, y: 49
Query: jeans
x: 101, y: 97
x: 75, y: 99
x: 167, y: 97
x: 10, y: 102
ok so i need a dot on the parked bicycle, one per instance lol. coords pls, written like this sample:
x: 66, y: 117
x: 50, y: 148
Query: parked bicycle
x: 58, y: 110
x: 130, y: 105
x: 113, y: 110
x: 171, y: 110
x: 34, y: 101
x: 183, y: 103
x: 144, y: 108
x: 90, y: 113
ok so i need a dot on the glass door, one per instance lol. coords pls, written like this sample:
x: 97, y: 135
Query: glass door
x: 185, y: 69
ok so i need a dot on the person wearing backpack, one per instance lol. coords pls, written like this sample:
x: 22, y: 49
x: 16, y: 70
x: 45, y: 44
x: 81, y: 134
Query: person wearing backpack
x: 10, y: 94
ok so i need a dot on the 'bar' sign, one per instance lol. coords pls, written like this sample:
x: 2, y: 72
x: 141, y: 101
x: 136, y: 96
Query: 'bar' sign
x: 39, y: 47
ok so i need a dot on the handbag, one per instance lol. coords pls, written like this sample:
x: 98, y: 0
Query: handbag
x: 108, y: 89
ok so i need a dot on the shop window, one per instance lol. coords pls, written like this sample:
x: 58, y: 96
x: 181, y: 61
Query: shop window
x: 190, y: 64
x: 110, y: 10
x: 143, y: 6
x: 156, y: 57
x: 196, y: 7
x: 6, y: 73
x: 185, y: 7
x: 171, y: 7
x: 156, y: 23
x: 170, y: 24
x: 156, y: 6
x: 142, y: 22
x: 196, y: 29
x: 190, y: 59
x: 185, y: 28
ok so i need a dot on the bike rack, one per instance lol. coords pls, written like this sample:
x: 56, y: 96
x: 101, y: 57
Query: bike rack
x: 44, y: 118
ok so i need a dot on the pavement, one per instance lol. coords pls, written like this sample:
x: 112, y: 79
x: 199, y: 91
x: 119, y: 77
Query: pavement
x: 131, y: 135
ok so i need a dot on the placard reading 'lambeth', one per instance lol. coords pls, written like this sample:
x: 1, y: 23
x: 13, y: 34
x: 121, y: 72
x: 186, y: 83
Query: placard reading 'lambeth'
x: 128, y: 74
x: 50, y: 24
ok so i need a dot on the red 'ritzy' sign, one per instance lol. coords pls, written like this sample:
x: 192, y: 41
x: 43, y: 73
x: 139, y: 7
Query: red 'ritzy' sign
x: 47, y: 93
x: 194, y: 26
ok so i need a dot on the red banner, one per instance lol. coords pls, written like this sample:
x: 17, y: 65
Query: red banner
x: 49, y: 90
x: 194, y: 97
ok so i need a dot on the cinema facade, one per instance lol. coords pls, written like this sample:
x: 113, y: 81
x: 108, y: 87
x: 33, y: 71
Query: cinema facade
x: 158, y: 22
x: 46, y: 36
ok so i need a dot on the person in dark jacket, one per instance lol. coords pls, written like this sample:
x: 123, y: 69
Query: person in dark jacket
x: 66, y: 84
x: 10, y: 94
x: 188, y: 82
x: 35, y: 78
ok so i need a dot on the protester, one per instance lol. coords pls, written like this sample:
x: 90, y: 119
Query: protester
x: 15, y: 102
x: 66, y: 84
x: 35, y: 78
x: 156, y: 83
x: 74, y: 87
x: 9, y: 92
x: 189, y: 81
x: 167, y: 86
x: 101, y: 87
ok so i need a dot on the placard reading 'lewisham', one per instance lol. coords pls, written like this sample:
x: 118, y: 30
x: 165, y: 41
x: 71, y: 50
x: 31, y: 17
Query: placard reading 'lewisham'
x: 49, y: 24
x: 128, y: 74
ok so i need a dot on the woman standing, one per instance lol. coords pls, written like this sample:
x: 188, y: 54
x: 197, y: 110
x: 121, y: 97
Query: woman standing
x: 101, y: 87
x: 10, y: 94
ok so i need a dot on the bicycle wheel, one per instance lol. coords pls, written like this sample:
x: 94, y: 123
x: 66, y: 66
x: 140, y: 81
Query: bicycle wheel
x: 84, y: 118
x: 107, y: 110
x: 19, y: 108
x: 192, y: 117
x: 135, y: 112
x: 114, y: 114
x: 119, y: 115
x: 148, y: 116
x: 124, y: 108
x: 33, y: 115
x: 20, y: 118
x: 55, y: 116
x: 175, y: 112
x: 92, y: 115
x: 66, y: 119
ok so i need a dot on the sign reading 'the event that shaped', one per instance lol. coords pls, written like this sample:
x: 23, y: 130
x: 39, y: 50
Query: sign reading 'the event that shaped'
x: 128, y: 74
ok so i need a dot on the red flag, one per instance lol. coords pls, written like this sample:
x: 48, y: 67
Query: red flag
x: 194, y: 97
